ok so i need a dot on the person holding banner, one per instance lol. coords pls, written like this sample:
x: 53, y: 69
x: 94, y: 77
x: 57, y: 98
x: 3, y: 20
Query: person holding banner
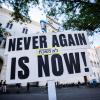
x: 4, y: 87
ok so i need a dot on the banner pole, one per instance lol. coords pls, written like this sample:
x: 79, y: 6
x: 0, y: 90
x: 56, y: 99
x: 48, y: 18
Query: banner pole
x: 51, y: 90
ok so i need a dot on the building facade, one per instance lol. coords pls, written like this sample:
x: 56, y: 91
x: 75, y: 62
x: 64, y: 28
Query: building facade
x: 12, y: 29
x: 95, y: 64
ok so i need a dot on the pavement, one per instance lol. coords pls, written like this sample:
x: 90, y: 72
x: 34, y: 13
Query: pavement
x: 40, y: 93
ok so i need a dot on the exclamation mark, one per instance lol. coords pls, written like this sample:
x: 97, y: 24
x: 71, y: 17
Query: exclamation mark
x: 84, y: 60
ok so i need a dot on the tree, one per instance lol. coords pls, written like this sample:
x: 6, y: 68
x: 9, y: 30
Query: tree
x: 87, y: 17
x: 78, y: 14
x: 20, y: 8
x: 2, y: 30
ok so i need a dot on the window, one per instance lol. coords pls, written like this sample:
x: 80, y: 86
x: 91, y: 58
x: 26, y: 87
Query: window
x: 92, y: 63
x: 9, y: 25
x: 94, y: 74
x: 25, y: 30
x: 98, y: 64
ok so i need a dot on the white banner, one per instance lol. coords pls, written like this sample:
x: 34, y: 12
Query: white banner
x: 47, y: 57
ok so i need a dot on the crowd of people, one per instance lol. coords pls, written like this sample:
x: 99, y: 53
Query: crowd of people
x: 3, y: 86
x: 79, y: 84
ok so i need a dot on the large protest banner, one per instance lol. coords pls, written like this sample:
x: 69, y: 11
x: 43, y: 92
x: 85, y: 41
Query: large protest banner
x: 44, y: 57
